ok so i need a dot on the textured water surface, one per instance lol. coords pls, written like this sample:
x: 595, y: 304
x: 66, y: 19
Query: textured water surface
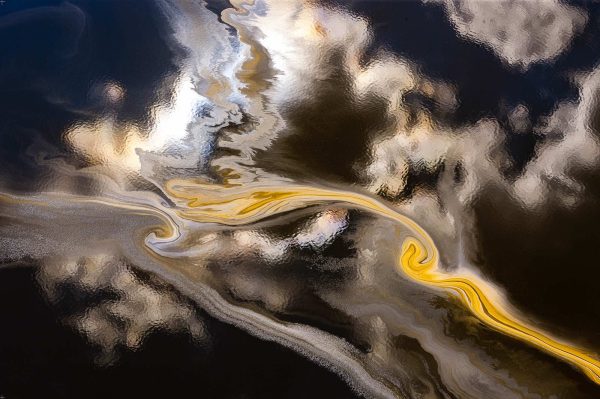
x: 286, y: 198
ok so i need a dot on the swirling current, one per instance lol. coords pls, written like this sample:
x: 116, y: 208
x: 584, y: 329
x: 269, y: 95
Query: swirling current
x: 307, y: 198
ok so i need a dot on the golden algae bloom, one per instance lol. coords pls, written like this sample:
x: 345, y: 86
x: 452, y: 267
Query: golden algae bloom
x: 474, y: 294
x: 419, y: 259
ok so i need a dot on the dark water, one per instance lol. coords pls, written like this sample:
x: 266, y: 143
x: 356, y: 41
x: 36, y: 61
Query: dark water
x: 43, y: 357
x: 191, y: 198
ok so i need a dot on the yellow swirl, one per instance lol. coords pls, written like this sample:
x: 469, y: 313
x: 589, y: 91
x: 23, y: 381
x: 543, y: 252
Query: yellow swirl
x: 419, y: 258
x: 470, y: 289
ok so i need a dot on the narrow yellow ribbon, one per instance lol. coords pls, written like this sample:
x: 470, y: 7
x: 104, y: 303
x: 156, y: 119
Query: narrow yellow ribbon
x: 419, y: 258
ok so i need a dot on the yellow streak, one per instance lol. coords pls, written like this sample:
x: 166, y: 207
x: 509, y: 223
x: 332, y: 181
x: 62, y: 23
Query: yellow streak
x: 419, y: 258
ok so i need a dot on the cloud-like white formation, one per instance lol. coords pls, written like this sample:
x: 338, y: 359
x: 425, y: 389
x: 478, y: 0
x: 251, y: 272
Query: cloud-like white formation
x: 201, y: 99
x: 520, y: 32
x: 473, y: 158
x: 558, y: 159
x: 125, y: 321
